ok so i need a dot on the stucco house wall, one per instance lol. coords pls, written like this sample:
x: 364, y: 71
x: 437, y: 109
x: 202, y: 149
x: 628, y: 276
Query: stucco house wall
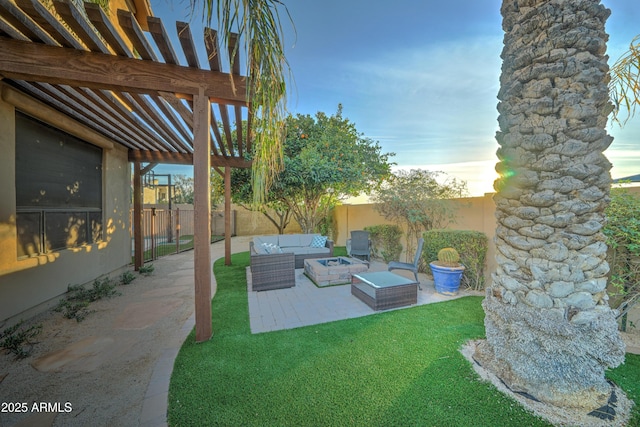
x: 26, y: 284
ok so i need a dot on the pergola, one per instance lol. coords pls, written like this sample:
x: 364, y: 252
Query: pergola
x: 79, y: 65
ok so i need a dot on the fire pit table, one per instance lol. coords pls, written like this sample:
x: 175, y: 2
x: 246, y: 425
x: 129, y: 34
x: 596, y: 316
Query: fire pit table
x: 333, y: 271
x: 383, y: 290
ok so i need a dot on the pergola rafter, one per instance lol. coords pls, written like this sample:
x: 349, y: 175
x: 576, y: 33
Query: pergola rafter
x: 107, y: 76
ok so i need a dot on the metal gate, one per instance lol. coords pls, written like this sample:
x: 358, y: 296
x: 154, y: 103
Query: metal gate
x: 169, y: 231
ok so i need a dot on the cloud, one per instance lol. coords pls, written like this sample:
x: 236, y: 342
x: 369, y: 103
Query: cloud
x: 479, y: 175
x: 435, y: 102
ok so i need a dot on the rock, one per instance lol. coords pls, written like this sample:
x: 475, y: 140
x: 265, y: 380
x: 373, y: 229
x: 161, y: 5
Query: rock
x: 585, y: 229
x: 592, y: 286
x: 562, y: 219
x: 540, y: 199
x: 511, y: 284
x: 538, y: 231
x: 538, y: 299
x: 509, y: 298
x: 564, y: 184
x: 516, y: 223
x: 523, y: 243
x: 590, y: 194
x: 583, y: 262
x: 594, y: 249
x: 561, y: 289
x: 585, y: 317
x: 553, y: 252
x: 581, y: 300
x: 526, y: 212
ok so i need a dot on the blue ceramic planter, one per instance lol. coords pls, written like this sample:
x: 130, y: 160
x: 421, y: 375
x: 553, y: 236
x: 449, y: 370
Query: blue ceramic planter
x: 446, y: 279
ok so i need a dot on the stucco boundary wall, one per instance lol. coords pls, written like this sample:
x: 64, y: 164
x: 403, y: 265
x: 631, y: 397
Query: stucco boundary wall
x: 472, y: 213
x: 250, y: 223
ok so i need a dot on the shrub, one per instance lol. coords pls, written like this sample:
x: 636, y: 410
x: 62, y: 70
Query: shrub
x: 146, y: 270
x: 17, y: 339
x: 385, y: 241
x: 127, y: 277
x: 472, y: 247
x: 623, y: 238
x: 76, y: 303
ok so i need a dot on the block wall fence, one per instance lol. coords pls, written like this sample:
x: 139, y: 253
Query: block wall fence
x: 472, y: 213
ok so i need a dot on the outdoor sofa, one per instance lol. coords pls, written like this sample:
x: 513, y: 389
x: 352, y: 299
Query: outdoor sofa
x: 274, y: 258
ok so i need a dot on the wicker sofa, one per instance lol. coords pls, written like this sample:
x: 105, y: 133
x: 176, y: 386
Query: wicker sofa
x: 274, y: 258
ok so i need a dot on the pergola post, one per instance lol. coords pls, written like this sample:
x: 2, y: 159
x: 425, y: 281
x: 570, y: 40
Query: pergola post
x: 227, y: 215
x: 137, y: 217
x: 202, y: 215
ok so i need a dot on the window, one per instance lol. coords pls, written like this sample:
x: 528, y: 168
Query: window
x: 58, y: 189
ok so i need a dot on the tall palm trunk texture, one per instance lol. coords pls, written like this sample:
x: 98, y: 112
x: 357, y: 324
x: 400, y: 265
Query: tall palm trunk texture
x: 550, y: 331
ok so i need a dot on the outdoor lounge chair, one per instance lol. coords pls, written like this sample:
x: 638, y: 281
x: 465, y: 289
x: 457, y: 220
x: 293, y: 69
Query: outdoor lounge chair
x: 397, y: 265
x: 360, y: 244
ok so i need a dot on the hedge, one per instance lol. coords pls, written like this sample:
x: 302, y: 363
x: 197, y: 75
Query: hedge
x: 472, y: 246
x: 385, y: 241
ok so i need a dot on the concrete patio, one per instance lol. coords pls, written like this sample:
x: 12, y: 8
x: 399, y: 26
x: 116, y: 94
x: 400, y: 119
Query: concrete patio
x: 306, y: 304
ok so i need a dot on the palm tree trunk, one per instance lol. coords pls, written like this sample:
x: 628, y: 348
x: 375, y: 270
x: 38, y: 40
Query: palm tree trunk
x: 550, y: 331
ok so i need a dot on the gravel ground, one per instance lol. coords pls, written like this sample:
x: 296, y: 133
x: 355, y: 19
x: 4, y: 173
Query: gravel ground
x: 97, y: 372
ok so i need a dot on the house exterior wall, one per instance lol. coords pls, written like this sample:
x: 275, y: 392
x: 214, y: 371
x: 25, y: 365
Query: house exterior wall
x: 26, y: 284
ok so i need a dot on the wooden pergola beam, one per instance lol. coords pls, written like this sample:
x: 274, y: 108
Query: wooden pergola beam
x: 59, y: 65
x: 184, y: 159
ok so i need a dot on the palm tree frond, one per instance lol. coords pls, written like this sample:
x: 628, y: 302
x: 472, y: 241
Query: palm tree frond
x: 258, y: 24
x: 624, y: 86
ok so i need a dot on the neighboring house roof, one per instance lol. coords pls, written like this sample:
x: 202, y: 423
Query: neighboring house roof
x: 632, y: 178
x: 129, y: 95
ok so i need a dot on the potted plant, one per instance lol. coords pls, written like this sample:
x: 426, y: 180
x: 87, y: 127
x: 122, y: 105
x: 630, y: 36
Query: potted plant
x: 447, y: 271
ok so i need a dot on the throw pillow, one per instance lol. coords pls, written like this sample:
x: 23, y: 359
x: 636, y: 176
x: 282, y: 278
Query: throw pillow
x: 319, y: 242
x: 272, y: 248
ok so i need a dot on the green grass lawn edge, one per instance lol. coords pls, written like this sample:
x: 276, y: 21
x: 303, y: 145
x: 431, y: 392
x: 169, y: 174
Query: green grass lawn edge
x: 400, y: 367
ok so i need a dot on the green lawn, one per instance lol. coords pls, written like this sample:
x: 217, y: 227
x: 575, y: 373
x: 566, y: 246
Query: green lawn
x: 394, y: 368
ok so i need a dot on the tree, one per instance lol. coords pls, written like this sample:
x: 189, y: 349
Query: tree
x: 623, y: 238
x: 325, y: 159
x: 278, y: 213
x: 418, y: 201
x: 624, y: 87
x: 550, y: 331
x: 183, y: 189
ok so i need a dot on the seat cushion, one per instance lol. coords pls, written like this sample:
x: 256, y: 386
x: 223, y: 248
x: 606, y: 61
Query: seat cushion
x: 306, y: 239
x: 260, y: 249
x: 311, y: 250
x: 289, y: 240
x: 259, y: 240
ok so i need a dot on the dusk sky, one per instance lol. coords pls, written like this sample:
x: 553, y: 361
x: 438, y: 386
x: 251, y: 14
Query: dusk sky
x: 420, y: 77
